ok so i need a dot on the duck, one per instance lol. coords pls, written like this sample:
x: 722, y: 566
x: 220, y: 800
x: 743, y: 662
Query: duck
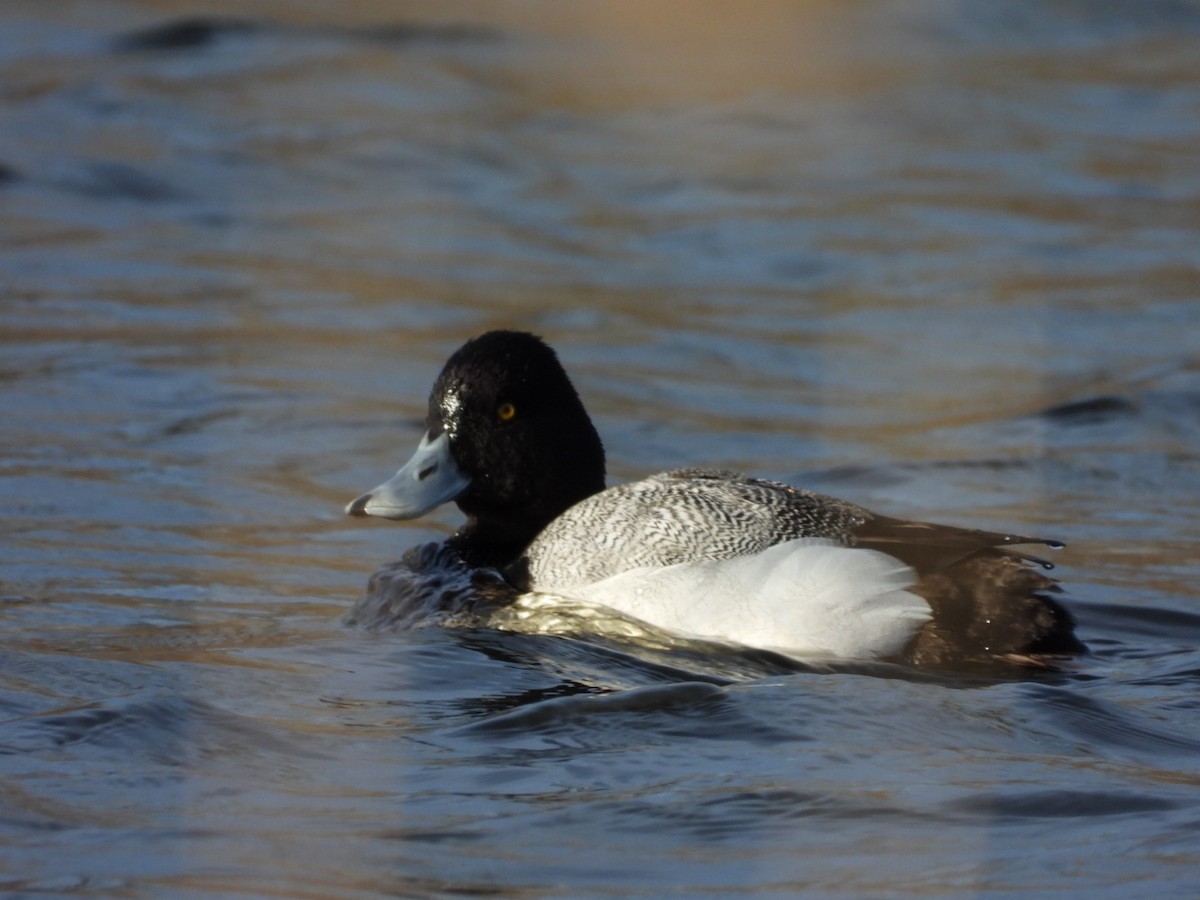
x: 701, y: 553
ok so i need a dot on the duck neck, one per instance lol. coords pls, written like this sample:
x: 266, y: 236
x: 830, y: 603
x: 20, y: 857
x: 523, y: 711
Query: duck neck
x: 492, y: 540
x: 498, y: 534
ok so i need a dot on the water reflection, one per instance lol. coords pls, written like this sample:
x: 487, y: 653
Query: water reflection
x: 938, y: 258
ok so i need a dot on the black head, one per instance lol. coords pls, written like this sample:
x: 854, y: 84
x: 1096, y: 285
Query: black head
x: 518, y: 431
x: 521, y: 448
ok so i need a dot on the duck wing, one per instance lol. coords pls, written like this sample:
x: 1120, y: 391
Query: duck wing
x: 930, y: 548
x: 988, y: 602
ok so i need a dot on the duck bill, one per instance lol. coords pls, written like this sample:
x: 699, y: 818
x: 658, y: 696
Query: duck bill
x: 428, y: 480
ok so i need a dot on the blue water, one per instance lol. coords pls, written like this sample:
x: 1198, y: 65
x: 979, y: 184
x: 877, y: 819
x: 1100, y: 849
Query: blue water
x: 936, y: 258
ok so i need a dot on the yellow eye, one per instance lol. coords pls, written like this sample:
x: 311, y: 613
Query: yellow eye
x: 505, y: 412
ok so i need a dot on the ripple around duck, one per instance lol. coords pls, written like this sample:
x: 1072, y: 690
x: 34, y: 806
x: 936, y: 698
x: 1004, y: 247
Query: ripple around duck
x: 1020, y: 807
x: 559, y: 713
x: 168, y: 730
x: 1106, y: 728
x: 1177, y: 626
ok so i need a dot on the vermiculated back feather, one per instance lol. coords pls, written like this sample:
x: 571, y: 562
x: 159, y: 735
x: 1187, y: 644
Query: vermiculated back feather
x: 681, y: 516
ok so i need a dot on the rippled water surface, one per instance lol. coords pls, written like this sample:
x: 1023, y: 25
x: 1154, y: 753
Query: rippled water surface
x: 940, y: 258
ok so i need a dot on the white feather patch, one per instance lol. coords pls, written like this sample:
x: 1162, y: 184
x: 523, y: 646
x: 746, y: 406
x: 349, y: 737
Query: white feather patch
x: 804, y: 598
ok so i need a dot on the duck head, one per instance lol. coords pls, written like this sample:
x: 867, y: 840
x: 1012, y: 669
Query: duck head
x: 506, y: 438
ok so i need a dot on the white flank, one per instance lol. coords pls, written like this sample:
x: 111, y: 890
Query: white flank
x: 804, y: 598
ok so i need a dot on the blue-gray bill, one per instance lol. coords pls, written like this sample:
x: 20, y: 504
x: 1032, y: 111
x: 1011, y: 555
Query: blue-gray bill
x: 428, y: 480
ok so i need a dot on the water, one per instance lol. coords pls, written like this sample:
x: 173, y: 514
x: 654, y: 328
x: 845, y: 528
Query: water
x: 936, y: 257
